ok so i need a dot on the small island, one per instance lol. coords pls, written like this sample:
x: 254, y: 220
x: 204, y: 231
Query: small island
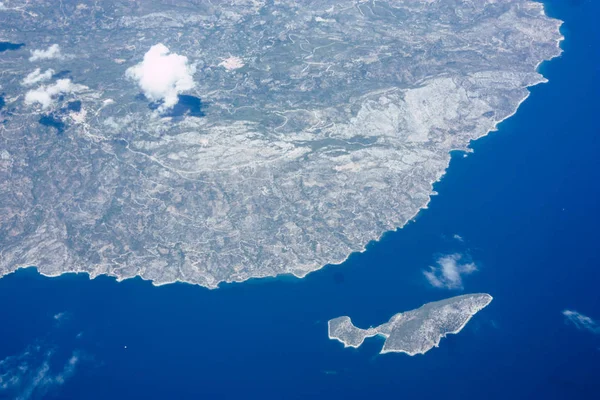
x: 416, y: 331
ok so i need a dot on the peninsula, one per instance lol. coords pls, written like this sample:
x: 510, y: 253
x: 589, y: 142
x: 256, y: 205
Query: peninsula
x: 208, y: 142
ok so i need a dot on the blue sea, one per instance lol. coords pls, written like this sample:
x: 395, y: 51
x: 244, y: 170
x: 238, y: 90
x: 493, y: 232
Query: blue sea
x: 526, y: 205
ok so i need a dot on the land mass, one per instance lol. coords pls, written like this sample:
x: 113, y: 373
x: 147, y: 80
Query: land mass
x: 313, y: 127
x: 416, y: 331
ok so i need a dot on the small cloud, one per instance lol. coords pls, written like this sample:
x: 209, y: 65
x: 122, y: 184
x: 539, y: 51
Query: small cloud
x: 60, y: 317
x: 37, y: 76
x: 53, y: 52
x: 449, y: 271
x: 581, y: 321
x: 163, y: 76
x: 458, y: 237
x: 41, y: 368
x: 34, y: 373
x: 46, y: 95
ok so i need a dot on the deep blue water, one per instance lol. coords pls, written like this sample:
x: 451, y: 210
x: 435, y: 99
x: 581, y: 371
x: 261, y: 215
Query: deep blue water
x: 526, y: 204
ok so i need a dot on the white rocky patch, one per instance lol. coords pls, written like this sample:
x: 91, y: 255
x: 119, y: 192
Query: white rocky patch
x: 231, y: 63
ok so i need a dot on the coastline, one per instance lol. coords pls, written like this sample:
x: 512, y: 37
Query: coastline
x: 360, y: 248
x: 521, y: 202
x: 439, y: 339
x: 372, y: 332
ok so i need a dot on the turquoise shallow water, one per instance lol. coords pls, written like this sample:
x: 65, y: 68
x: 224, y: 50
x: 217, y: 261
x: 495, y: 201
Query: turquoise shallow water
x: 526, y: 204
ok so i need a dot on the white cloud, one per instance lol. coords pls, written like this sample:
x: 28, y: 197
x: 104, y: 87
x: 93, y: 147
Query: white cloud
x: 45, y: 95
x: 581, y: 321
x: 33, y: 373
x: 61, y: 317
x: 449, y: 271
x: 37, y: 76
x: 162, y: 76
x: 51, y: 53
